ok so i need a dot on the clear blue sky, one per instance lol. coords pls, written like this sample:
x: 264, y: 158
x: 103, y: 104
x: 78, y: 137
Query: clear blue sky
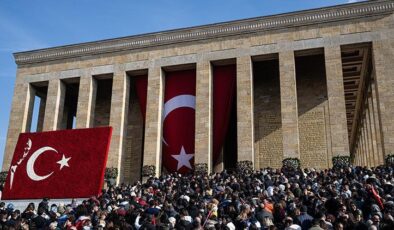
x: 27, y: 25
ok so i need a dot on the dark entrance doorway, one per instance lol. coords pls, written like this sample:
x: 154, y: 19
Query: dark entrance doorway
x: 230, y: 147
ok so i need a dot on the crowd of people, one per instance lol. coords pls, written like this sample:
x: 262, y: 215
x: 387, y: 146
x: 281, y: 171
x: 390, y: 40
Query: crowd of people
x: 346, y: 198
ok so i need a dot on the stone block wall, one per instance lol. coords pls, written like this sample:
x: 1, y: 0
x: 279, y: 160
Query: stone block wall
x: 312, y: 112
x: 103, y: 103
x: 267, y: 116
x: 312, y: 104
x: 134, y: 141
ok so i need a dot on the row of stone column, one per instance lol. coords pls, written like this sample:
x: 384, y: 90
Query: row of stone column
x: 203, y: 139
x: 376, y: 132
x: 369, y: 149
x: 245, y: 111
x: 383, y: 59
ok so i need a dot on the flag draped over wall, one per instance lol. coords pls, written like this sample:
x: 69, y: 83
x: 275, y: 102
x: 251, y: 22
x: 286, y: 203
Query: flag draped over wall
x: 179, y: 121
x: 141, y: 85
x: 224, y: 82
x: 179, y: 114
x: 58, y: 164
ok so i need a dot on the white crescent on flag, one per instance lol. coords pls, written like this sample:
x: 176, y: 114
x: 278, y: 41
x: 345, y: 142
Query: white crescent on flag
x: 184, y: 100
x: 30, y: 164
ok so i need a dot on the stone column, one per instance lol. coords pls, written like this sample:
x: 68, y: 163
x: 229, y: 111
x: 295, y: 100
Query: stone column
x: 86, y: 101
x: 359, y: 152
x: 366, y: 156
x: 372, y: 129
x: 153, y: 123
x: 289, y: 110
x: 383, y: 59
x: 376, y: 123
x: 367, y: 145
x: 363, y: 148
x: 118, y: 120
x: 203, y: 139
x: 20, y: 118
x: 360, y: 155
x: 336, y: 102
x: 54, y: 105
x: 245, y: 124
x: 368, y: 136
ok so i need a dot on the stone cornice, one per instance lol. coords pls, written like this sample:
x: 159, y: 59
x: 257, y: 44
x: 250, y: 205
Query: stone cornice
x: 252, y: 25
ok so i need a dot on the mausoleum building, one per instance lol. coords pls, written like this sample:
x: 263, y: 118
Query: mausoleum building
x: 311, y: 85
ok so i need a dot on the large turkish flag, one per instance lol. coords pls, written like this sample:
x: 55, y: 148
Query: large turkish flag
x: 179, y: 121
x: 58, y: 164
x: 179, y: 114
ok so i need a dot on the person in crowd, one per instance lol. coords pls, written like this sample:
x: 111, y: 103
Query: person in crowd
x: 267, y: 199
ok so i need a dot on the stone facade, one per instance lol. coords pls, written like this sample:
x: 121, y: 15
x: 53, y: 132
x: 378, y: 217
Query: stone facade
x: 299, y: 120
x: 312, y: 111
x: 383, y: 54
x: 267, y: 114
x: 134, y: 146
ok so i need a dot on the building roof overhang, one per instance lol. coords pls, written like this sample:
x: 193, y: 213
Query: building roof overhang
x: 345, y: 12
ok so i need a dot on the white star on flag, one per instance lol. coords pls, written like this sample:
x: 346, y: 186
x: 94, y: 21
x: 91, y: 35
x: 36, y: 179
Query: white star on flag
x: 63, y: 162
x: 183, y: 159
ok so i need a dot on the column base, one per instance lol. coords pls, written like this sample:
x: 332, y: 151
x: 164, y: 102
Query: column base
x: 148, y: 170
x: 341, y: 161
x: 201, y: 168
x: 290, y: 162
x: 244, y: 165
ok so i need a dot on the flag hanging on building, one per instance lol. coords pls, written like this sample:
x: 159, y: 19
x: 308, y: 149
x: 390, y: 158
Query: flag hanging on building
x: 179, y: 114
x: 179, y: 121
x: 58, y: 164
x: 224, y: 82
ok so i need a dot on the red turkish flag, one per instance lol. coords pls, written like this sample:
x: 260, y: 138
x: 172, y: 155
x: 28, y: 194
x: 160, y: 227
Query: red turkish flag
x: 58, y: 164
x: 179, y: 121
x: 224, y: 81
x: 179, y: 114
